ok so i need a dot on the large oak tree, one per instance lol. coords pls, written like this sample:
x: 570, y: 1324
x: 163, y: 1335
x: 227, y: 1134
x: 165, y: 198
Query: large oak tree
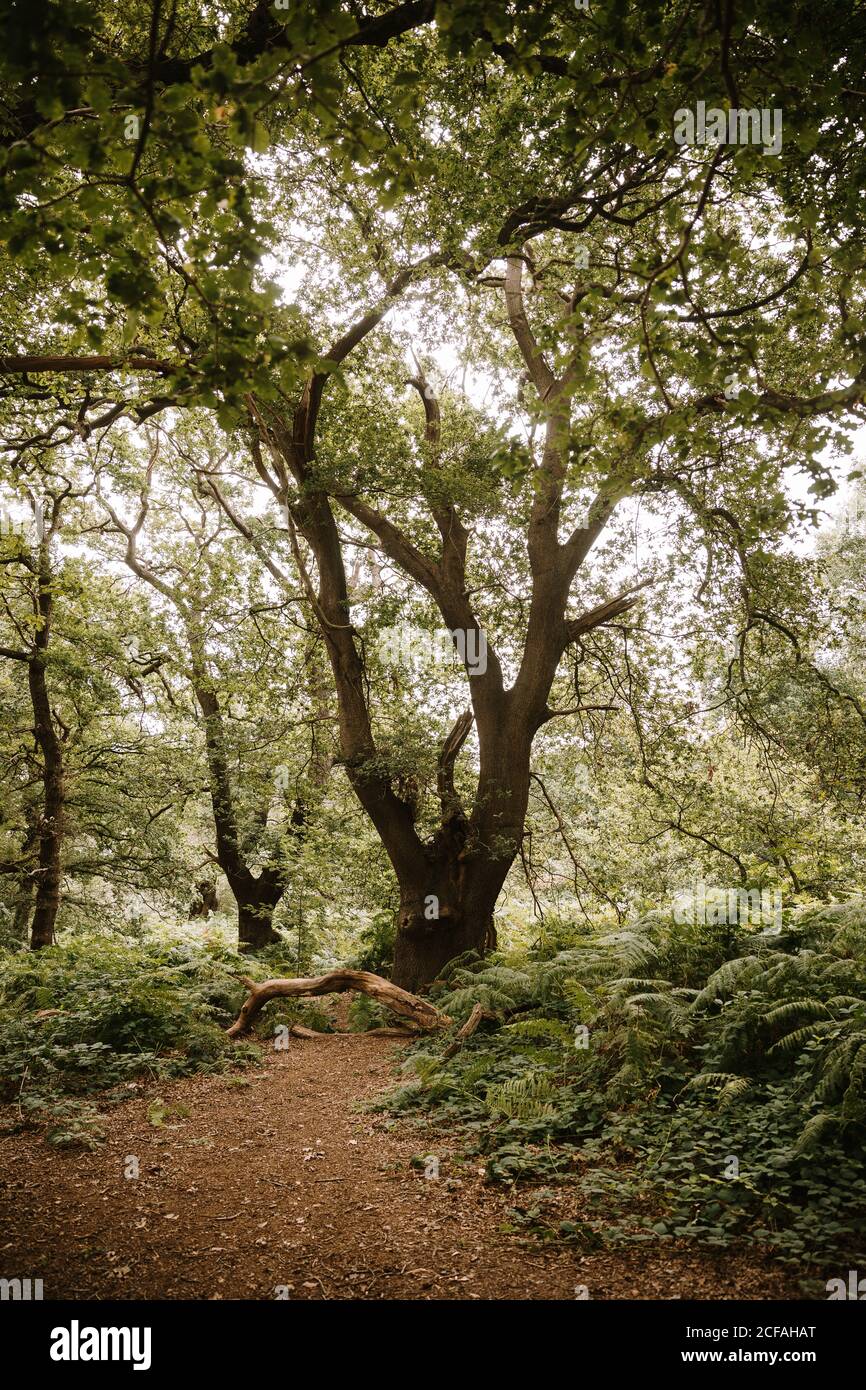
x: 660, y: 325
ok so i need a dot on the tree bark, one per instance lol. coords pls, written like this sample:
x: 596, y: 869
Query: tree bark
x: 256, y: 895
x: 205, y: 901
x: 447, y: 912
x: 49, y: 872
x: 26, y: 875
x: 255, y: 923
x: 419, y: 1011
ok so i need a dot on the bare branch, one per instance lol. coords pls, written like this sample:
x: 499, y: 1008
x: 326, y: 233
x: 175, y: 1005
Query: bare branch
x: 604, y: 612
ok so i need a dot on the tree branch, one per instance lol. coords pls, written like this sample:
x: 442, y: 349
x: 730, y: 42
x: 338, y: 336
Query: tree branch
x: 604, y: 612
x: 448, y: 753
x: 541, y: 375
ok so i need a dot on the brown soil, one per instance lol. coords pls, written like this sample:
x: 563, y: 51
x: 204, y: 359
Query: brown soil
x: 281, y: 1186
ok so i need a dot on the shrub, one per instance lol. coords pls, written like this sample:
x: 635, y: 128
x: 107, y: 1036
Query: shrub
x: 90, y: 1017
x: 720, y: 1097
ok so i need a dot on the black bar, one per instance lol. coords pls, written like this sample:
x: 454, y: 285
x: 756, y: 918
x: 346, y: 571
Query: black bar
x: 262, y: 1338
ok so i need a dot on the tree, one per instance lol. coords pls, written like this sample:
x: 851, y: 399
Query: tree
x: 45, y: 832
x: 197, y: 577
x: 669, y: 325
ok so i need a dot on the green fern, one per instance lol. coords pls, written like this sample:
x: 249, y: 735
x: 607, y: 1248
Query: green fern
x: 815, y: 1129
x: 796, y: 1009
x: 527, y: 1098
x: 540, y: 1028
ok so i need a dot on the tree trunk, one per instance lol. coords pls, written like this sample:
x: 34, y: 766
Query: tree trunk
x: 425, y: 942
x: 421, y: 951
x: 256, y: 895
x: 448, y: 909
x: 23, y: 903
x: 23, y: 908
x: 255, y: 924
x: 49, y: 873
x: 205, y: 901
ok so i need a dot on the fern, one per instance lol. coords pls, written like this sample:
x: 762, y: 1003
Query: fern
x: 526, y: 1098
x: 733, y: 975
x: 796, y: 1009
x: 707, y: 1080
x: 816, y: 1128
x: 792, y: 1042
x: 540, y: 1028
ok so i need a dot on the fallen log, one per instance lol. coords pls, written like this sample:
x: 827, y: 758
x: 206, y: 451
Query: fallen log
x: 423, y: 1014
x: 477, y: 1016
x: 297, y: 1030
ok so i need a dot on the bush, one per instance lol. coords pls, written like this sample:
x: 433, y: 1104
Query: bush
x: 377, y: 945
x: 692, y: 1086
x: 89, y: 1017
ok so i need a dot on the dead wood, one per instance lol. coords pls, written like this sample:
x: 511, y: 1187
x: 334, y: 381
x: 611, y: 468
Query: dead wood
x: 419, y: 1011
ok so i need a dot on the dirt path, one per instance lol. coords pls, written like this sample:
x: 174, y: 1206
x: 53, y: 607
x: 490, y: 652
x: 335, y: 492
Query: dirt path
x: 281, y: 1184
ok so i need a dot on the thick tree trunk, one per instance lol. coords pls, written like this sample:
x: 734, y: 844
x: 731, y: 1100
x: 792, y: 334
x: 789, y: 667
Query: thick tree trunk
x: 425, y: 942
x: 255, y: 923
x: 422, y: 950
x: 448, y: 909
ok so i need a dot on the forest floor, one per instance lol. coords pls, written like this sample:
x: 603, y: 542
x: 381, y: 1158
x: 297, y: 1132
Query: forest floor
x: 277, y: 1184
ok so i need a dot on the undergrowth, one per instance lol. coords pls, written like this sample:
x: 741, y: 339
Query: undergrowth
x: 90, y: 1021
x: 691, y: 1083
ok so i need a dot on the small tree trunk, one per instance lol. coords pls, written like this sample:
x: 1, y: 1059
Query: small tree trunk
x: 49, y: 874
x: 255, y: 895
x: 23, y: 908
x: 23, y: 905
x: 205, y: 901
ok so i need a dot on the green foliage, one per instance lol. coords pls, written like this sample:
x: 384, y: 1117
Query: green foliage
x: 526, y: 1097
x: 365, y: 1013
x: 720, y: 1101
x: 376, y: 945
x: 310, y: 1013
x: 101, y: 1017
